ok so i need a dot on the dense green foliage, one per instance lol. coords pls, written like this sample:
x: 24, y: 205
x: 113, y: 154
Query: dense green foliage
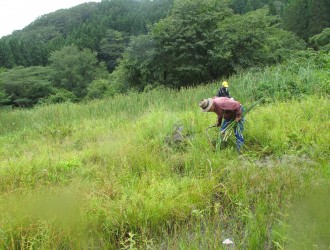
x: 26, y: 86
x: 307, y: 18
x: 145, y: 44
x: 74, y: 70
x: 202, y: 41
x: 84, y: 26
x: 112, y: 48
x: 321, y: 41
x: 109, y: 174
x: 307, y: 73
x: 68, y: 77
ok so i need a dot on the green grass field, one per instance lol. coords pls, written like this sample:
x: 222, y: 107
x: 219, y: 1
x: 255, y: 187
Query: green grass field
x: 109, y: 174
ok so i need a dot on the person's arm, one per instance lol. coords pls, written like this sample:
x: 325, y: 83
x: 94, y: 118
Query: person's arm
x: 219, y: 120
x: 220, y: 116
x: 219, y: 93
x: 227, y: 92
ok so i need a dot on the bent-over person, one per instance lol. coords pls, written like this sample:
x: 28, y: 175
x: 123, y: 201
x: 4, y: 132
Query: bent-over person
x: 227, y: 110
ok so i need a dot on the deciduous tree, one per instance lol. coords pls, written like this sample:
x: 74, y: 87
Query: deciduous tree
x: 74, y: 69
x: 26, y: 86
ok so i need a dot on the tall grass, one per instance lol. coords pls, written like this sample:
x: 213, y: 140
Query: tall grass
x: 109, y: 174
x: 296, y: 78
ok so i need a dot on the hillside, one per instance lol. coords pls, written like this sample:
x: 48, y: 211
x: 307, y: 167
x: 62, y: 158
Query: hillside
x: 84, y: 25
x: 98, y: 50
x: 108, y: 174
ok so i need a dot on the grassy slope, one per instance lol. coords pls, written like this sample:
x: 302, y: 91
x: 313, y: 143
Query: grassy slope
x: 107, y: 174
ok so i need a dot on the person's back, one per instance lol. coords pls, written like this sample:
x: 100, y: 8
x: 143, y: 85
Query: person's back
x: 223, y: 91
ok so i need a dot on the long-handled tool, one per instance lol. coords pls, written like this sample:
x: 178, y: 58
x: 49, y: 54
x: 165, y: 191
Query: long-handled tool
x: 208, y: 136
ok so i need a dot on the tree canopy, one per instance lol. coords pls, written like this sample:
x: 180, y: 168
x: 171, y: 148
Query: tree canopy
x: 202, y: 41
x: 24, y: 87
x: 74, y: 70
x: 97, y: 49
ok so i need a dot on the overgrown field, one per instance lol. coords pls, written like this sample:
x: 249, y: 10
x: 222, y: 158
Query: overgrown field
x: 113, y: 174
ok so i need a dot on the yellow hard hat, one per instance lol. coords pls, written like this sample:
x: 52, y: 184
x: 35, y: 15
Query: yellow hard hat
x: 225, y: 84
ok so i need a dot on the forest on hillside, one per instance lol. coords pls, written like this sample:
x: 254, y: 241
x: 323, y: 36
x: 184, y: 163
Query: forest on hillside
x: 97, y: 50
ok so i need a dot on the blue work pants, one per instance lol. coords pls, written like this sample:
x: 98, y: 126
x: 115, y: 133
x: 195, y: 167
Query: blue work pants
x: 238, y: 130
